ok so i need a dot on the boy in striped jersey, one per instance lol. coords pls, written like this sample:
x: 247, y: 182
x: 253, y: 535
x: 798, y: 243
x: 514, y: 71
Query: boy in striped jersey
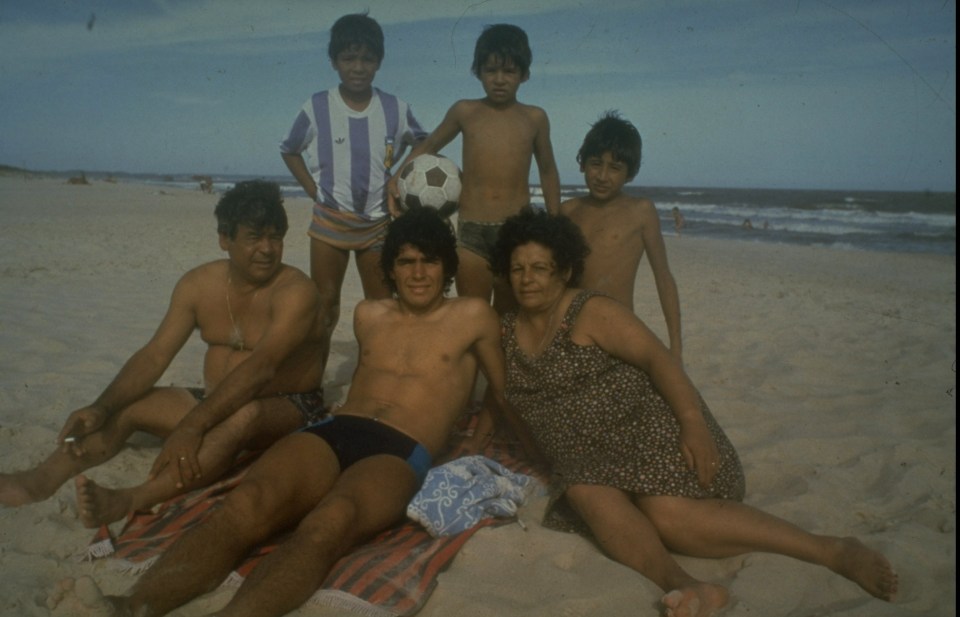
x: 353, y: 135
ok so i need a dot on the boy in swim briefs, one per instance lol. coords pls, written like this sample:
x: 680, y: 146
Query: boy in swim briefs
x: 501, y: 137
x: 620, y: 228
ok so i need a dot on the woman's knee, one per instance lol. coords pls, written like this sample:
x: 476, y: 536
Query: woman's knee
x: 666, y: 513
x: 592, y: 501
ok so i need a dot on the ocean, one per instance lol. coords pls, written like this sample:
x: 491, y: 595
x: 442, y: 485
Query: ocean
x: 902, y: 222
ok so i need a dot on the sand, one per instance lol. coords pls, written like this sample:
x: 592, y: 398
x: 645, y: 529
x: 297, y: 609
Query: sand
x: 833, y: 372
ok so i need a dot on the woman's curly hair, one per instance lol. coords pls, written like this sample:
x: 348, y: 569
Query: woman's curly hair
x: 557, y: 233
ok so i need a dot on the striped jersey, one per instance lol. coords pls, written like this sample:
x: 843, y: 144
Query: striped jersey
x: 350, y: 153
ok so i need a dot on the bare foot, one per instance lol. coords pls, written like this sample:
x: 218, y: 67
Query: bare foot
x: 697, y: 600
x: 97, y: 505
x: 867, y: 568
x: 82, y: 598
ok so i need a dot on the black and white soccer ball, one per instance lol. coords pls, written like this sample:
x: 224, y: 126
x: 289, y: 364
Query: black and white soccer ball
x: 430, y: 180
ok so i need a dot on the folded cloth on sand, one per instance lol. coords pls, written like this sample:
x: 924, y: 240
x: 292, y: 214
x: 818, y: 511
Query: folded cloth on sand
x: 393, y: 574
x: 460, y: 494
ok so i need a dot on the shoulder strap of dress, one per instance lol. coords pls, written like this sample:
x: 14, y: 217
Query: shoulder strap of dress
x: 577, y: 305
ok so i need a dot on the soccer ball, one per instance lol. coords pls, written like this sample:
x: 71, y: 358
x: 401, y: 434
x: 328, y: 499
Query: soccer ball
x: 430, y: 180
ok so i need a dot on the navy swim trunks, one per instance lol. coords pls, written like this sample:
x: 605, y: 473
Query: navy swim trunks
x: 354, y: 438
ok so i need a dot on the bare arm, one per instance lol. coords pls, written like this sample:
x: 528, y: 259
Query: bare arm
x: 547, y: 165
x: 445, y: 132
x: 142, y: 370
x: 612, y: 327
x: 292, y: 313
x: 298, y: 168
x: 666, y: 284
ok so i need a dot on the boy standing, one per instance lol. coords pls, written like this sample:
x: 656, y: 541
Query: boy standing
x: 500, y: 138
x: 619, y: 227
x: 354, y: 134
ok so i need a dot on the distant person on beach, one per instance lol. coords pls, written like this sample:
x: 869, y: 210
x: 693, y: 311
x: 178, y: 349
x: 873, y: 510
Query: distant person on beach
x: 354, y: 134
x: 501, y: 137
x: 339, y: 482
x: 638, y: 460
x: 678, y: 221
x: 262, y: 372
x: 747, y: 224
x: 620, y: 228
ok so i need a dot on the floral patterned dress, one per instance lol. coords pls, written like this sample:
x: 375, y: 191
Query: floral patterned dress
x: 601, y: 421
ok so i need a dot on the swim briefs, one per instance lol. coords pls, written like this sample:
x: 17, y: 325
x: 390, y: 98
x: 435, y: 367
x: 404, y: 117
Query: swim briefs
x: 478, y: 237
x: 346, y: 230
x: 310, y: 404
x: 354, y: 438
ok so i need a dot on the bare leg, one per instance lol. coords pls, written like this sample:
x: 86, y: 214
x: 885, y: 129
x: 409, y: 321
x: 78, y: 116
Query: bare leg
x: 474, y: 277
x: 278, y: 491
x: 720, y: 528
x: 371, y: 276
x: 254, y: 426
x: 157, y: 413
x: 627, y: 535
x: 328, y: 266
x: 368, y: 497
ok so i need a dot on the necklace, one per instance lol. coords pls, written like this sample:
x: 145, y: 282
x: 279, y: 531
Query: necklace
x: 236, y: 334
x: 548, y: 330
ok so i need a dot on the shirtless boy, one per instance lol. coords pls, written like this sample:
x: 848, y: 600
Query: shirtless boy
x: 621, y: 228
x: 343, y: 480
x: 262, y: 371
x: 501, y: 136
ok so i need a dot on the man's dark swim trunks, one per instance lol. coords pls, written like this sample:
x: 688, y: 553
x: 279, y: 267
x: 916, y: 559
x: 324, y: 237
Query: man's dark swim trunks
x: 354, y: 438
x: 310, y: 403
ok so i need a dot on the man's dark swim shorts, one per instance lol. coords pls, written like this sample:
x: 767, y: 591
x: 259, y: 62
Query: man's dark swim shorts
x: 354, y: 438
x: 310, y: 404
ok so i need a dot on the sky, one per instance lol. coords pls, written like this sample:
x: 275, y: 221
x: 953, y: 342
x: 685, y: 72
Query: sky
x: 838, y: 94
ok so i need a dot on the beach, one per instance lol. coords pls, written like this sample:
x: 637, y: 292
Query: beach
x: 833, y: 372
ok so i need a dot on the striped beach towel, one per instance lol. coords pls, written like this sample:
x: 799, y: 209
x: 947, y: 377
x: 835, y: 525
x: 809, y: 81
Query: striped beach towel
x: 393, y: 574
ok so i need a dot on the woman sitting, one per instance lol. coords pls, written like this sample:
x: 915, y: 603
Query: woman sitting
x: 635, y: 454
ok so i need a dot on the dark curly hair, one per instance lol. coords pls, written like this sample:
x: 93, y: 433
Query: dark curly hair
x: 356, y: 30
x: 616, y: 135
x: 258, y: 204
x: 425, y: 229
x: 505, y: 42
x: 557, y: 233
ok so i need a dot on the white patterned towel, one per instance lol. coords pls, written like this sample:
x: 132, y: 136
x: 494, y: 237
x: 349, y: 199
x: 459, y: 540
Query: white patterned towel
x: 459, y: 494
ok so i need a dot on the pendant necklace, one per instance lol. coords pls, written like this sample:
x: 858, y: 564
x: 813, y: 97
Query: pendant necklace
x: 236, y: 335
